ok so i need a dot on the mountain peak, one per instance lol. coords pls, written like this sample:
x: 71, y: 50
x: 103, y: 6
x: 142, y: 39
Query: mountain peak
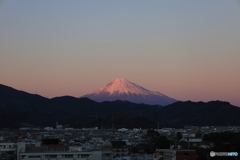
x: 123, y: 86
x: 122, y: 89
x: 120, y: 80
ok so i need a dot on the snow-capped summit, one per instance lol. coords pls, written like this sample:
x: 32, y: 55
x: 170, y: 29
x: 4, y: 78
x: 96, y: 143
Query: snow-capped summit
x: 121, y: 86
x: 122, y: 89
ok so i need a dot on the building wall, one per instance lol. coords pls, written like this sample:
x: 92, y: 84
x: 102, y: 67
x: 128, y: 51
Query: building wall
x: 167, y: 154
x: 192, y: 139
x: 120, y: 152
x: 94, y: 155
x: 46, y: 153
x: 186, y: 155
x: 7, y: 150
x: 6, y: 145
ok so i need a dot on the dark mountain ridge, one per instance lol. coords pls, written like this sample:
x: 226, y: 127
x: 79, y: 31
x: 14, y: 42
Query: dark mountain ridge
x: 21, y: 107
x: 200, y: 113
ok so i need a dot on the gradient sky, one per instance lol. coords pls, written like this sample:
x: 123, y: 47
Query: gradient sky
x: 188, y: 50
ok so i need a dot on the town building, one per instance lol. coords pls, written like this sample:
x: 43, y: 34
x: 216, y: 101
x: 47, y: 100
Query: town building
x: 173, y: 154
x: 59, y: 152
x: 119, y: 148
x: 7, y: 150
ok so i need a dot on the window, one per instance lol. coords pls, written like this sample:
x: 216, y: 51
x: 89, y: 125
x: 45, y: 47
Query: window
x: 51, y: 156
x: 67, y: 156
x: 185, y: 154
x: 34, y: 156
x: 84, y: 156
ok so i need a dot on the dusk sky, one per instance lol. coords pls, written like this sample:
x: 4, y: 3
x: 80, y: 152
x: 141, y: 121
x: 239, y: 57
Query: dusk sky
x: 185, y: 49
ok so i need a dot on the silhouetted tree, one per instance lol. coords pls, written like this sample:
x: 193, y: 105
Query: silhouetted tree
x: 198, y: 134
x: 179, y: 136
x: 155, y: 141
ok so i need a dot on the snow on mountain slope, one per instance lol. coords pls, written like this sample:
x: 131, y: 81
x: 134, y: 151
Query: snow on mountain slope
x: 122, y: 89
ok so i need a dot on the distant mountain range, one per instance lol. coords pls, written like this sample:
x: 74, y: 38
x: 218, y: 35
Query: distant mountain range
x: 18, y: 108
x: 122, y: 89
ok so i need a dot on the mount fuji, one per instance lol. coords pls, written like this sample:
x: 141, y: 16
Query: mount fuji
x: 122, y: 89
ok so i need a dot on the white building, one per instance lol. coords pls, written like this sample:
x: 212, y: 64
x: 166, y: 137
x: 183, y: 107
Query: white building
x: 59, y: 153
x: 7, y: 149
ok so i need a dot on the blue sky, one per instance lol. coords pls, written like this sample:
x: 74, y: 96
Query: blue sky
x: 188, y: 50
